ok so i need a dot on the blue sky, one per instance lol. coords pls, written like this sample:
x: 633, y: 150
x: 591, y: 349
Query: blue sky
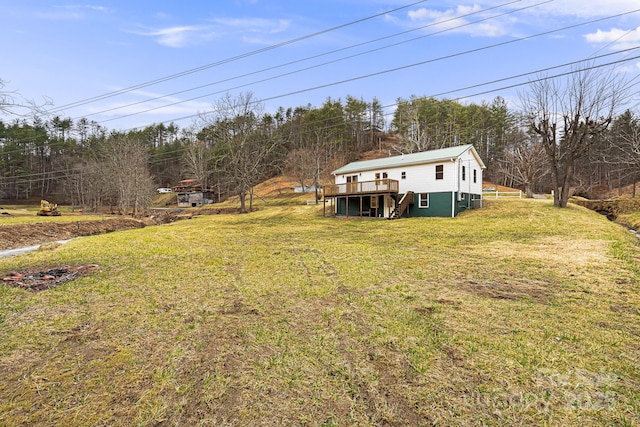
x: 69, y: 51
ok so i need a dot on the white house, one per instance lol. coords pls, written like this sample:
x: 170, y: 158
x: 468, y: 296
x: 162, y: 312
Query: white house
x: 440, y: 182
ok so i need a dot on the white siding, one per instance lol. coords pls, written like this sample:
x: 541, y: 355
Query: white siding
x: 419, y: 178
x: 422, y: 178
x: 469, y: 161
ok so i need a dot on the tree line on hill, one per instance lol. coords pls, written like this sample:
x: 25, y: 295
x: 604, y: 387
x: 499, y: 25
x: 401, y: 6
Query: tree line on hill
x: 567, y: 135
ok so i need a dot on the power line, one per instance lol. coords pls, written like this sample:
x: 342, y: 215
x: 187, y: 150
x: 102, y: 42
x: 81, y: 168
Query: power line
x: 541, y: 70
x: 446, y: 57
x: 412, y: 65
x: 325, y: 54
x: 538, y: 71
x: 593, y: 67
x: 66, y: 174
x: 232, y: 59
x: 374, y: 74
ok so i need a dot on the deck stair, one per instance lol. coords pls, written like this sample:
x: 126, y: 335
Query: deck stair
x: 403, y: 205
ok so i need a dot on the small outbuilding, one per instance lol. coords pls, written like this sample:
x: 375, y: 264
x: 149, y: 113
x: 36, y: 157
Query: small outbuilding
x: 441, y: 182
x: 190, y: 194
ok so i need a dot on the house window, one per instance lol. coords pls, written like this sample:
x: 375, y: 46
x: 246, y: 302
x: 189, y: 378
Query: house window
x: 475, y: 176
x: 423, y: 200
x: 464, y: 173
x: 377, y: 175
x: 403, y: 175
x: 384, y: 175
x: 439, y: 171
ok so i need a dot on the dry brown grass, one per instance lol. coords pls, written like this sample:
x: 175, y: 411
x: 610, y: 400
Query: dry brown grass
x: 517, y: 314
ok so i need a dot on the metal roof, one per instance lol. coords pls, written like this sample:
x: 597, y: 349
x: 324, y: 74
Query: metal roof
x: 430, y: 156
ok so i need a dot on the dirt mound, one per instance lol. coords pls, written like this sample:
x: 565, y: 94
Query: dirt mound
x: 605, y: 192
x: 278, y: 185
x: 22, y: 235
x: 487, y: 184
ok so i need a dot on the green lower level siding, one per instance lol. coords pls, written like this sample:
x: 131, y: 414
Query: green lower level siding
x: 439, y: 205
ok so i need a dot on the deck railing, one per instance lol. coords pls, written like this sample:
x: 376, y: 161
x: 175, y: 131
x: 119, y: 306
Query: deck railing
x: 384, y: 185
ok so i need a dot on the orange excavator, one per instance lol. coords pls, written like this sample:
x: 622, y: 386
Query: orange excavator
x: 48, y: 209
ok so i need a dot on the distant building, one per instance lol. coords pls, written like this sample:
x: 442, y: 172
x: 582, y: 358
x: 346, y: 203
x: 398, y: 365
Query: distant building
x: 190, y: 194
x: 187, y: 185
x: 306, y: 189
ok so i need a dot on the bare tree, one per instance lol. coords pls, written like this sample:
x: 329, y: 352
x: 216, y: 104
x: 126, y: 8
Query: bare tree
x: 124, y: 165
x: 197, y: 159
x: 6, y: 98
x: 414, y: 136
x: 299, y: 162
x: 242, y: 149
x: 12, y: 104
x: 625, y: 141
x: 524, y: 163
x: 85, y: 185
x: 568, y: 114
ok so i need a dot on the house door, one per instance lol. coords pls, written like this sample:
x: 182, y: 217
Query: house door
x: 352, y: 183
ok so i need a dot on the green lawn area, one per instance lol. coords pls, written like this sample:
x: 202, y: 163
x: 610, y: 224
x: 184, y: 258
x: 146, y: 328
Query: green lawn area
x: 515, y: 314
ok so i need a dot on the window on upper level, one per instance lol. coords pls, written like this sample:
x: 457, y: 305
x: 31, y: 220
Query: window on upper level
x: 439, y: 171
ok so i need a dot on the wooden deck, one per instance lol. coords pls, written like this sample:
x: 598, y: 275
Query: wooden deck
x: 378, y: 186
x: 370, y: 197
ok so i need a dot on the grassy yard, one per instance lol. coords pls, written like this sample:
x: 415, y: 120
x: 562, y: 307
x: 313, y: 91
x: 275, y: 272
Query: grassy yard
x: 516, y: 314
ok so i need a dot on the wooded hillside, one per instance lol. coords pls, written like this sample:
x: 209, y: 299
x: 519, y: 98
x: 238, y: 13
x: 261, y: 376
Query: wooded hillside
x: 239, y: 145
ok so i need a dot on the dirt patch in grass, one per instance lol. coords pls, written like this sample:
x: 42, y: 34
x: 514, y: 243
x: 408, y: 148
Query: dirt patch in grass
x: 512, y: 290
x: 21, y: 235
x: 40, y: 279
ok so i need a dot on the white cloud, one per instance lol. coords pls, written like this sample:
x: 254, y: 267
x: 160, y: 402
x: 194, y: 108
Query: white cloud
x: 255, y: 25
x: 630, y: 68
x: 558, y: 8
x: 457, y: 19
x: 178, y: 36
x: 553, y: 11
x: 60, y: 15
x: 254, y: 30
x: 96, y: 8
x: 251, y: 30
x: 424, y: 14
x: 588, y: 9
x: 617, y: 38
x: 71, y: 12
